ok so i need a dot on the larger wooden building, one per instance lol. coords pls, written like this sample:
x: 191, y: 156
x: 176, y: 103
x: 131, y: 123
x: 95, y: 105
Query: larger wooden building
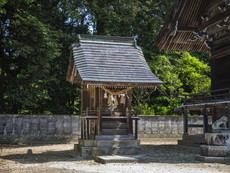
x: 203, y: 26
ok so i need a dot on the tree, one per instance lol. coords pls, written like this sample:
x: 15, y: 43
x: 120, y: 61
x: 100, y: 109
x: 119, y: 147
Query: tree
x: 27, y: 47
x: 31, y: 61
x: 181, y: 74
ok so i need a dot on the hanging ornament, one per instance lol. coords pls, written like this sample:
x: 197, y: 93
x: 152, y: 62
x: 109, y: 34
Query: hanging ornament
x: 105, y: 95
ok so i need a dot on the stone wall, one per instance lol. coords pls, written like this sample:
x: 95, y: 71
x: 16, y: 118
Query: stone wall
x: 166, y: 126
x: 66, y: 128
x: 39, y: 128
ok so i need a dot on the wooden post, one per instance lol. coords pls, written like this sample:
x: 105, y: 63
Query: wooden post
x: 82, y: 130
x: 228, y: 107
x: 85, y: 123
x: 99, y: 123
x: 136, y: 128
x: 205, y: 120
x: 81, y: 120
x: 87, y: 128
x: 185, y: 121
x: 129, y: 121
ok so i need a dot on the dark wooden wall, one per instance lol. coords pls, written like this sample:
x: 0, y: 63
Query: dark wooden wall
x: 221, y: 72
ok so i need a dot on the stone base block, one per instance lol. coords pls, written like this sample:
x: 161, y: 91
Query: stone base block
x: 86, y: 143
x: 217, y: 138
x: 216, y: 151
x: 82, y: 151
x: 124, y: 159
x: 209, y: 159
x: 97, y: 151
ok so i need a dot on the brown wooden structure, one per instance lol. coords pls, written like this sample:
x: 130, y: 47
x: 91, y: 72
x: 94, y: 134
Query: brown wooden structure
x: 203, y: 26
x: 108, y: 68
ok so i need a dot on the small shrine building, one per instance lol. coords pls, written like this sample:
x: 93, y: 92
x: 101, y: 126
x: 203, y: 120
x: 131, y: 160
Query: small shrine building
x: 108, y: 68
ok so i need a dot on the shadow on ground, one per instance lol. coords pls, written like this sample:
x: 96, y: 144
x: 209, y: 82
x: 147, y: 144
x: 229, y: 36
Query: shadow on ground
x: 49, y: 156
x: 172, y: 154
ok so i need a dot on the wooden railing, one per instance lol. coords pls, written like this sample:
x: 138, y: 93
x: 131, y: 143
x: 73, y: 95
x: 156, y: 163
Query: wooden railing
x: 91, y: 123
x: 203, y: 101
x: 213, y: 96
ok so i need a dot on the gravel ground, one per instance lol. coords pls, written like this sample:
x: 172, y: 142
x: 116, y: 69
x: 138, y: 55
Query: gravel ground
x: 168, y: 157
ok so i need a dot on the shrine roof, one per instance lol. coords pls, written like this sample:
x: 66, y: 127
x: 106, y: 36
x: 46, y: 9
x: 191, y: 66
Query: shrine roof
x: 107, y: 60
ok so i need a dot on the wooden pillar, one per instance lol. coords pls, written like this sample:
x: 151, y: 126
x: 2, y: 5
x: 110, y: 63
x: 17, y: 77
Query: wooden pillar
x: 81, y: 110
x: 87, y: 128
x: 136, y: 128
x: 82, y: 130
x: 129, y: 112
x: 213, y: 73
x: 99, y: 123
x: 185, y: 121
x: 205, y: 120
x: 129, y: 121
x: 228, y: 107
x: 82, y: 97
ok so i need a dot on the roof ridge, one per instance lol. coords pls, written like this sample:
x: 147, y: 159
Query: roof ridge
x: 105, y: 38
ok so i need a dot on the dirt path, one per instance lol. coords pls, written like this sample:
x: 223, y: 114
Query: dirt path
x: 168, y: 158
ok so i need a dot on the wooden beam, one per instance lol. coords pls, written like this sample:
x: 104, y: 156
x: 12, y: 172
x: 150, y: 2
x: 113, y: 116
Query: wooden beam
x: 186, y: 29
x: 119, y: 84
x: 221, y: 52
x: 215, y: 19
x: 211, y: 4
x: 220, y: 42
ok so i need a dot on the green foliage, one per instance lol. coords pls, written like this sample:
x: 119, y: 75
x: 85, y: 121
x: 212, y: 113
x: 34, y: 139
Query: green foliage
x: 34, y: 59
x: 144, y: 109
x: 181, y: 74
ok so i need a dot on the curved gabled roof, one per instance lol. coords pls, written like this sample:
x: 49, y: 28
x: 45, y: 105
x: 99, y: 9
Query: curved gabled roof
x: 184, y: 20
x: 103, y: 60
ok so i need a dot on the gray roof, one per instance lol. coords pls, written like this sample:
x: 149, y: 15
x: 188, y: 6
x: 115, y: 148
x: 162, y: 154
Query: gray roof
x: 103, y: 59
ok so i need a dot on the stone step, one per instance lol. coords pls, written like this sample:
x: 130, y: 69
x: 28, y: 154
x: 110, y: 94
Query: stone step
x: 115, y: 137
x: 98, y: 151
x: 211, y: 159
x: 114, y: 125
x: 197, y: 138
x: 124, y: 159
x: 114, y: 132
x: 189, y: 143
x: 215, y: 151
x: 116, y: 143
x: 82, y: 151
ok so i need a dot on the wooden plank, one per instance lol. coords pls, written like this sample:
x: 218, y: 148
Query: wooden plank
x: 186, y: 29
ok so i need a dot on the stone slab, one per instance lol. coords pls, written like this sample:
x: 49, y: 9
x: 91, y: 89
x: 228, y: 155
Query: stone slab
x: 209, y: 159
x: 217, y: 138
x: 124, y: 159
x: 216, y: 151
